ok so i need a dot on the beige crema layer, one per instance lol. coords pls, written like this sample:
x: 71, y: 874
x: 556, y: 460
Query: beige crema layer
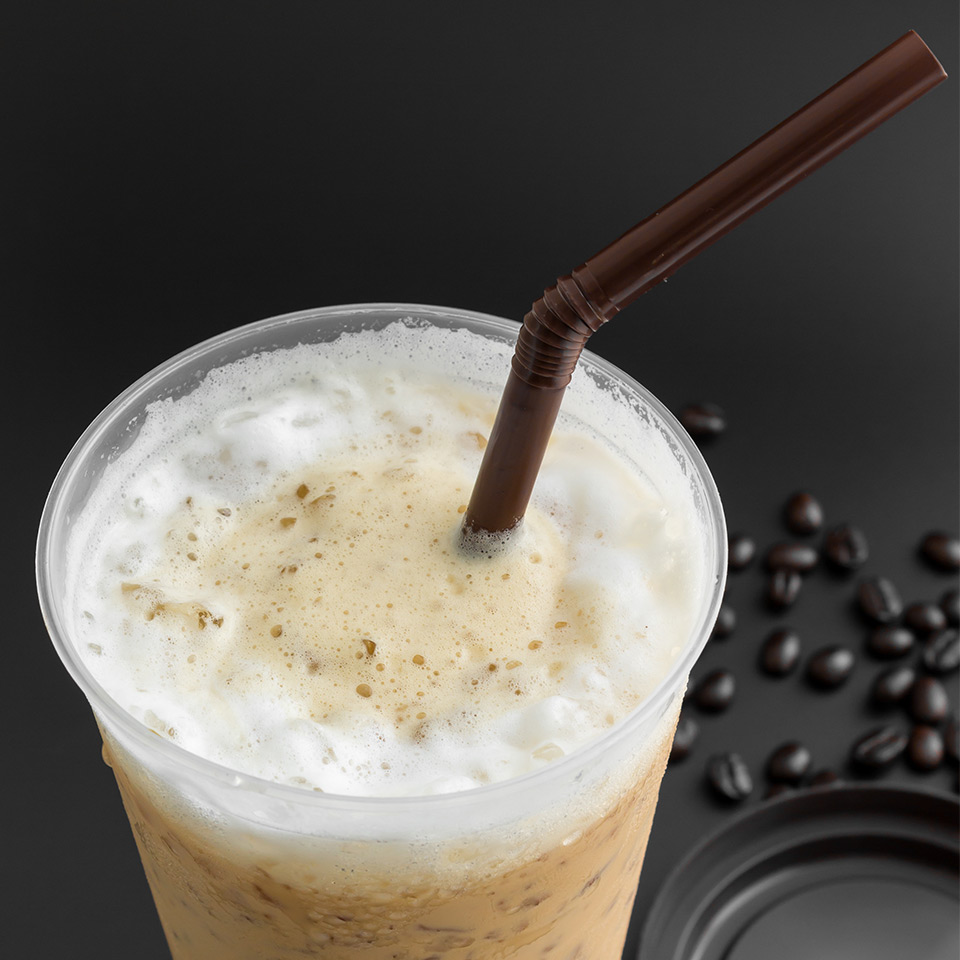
x: 270, y: 576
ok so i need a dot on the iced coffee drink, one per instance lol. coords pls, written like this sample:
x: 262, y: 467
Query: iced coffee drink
x: 335, y: 732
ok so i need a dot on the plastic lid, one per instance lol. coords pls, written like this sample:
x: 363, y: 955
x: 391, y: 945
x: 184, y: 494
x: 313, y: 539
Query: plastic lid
x: 840, y: 873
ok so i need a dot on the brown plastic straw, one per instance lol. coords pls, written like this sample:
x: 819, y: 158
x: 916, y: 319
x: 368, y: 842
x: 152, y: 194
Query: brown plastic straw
x: 557, y: 327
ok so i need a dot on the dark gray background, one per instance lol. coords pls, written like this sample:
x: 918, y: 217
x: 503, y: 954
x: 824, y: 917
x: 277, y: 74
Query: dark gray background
x: 172, y: 169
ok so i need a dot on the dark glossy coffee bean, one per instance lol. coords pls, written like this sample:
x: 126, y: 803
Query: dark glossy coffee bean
x: 928, y: 701
x: 924, y: 617
x: 879, y: 600
x: 777, y: 790
x: 878, y: 749
x: 941, y: 651
x: 824, y: 778
x: 784, y: 587
x: 803, y: 514
x: 703, y: 420
x: 925, y: 748
x: 726, y: 622
x: 830, y: 667
x: 846, y: 547
x: 780, y: 652
x: 789, y: 763
x: 950, y: 605
x: 715, y: 692
x: 729, y: 776
x: 890, y: 642
x: 893, y: 685
x: 792, y: 556
x: 684, y: 739
x: 951, y: 738
x: 740, y: 551
x: 942, y: 550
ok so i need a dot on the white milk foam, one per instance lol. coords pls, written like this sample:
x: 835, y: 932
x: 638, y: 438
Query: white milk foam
x: 269, y: 576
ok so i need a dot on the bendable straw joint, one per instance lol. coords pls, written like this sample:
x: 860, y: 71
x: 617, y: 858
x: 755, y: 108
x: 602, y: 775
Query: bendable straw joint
x: 554, y: 332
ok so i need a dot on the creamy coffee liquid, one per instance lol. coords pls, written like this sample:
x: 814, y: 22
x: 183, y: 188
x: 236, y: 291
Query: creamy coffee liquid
x: 269, y: 576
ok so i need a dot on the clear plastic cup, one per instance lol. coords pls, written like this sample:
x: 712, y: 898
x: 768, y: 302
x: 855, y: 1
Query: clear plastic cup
x: 545, y: 864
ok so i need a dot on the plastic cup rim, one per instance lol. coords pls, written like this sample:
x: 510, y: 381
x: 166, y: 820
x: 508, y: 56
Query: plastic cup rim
x: 104, y: 704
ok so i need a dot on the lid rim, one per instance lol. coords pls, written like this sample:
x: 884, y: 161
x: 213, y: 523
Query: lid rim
x: 876, y: 821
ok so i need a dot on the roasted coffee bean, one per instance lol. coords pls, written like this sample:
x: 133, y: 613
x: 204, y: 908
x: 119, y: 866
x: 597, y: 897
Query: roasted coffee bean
x: 890, y: 642
x: 715, y: 691
x: 726, y: 622
x: 740, y: 551
x: 893, y: 685
x: 780, y: 652
x: 729, y: 776
x: 951, y: 738
x: 924, y: 617
x: 789, y: 763
x: 878, y: 749
x: 792, y: 556
x: 928, y: 701
x: 784, y: 587
x: 777, y: 790
x: 846, y: 547
x: 703, y: 420
x: 950, y: 605
x: 925, y: 748
x: 830, y: 666
x: 941, y: 651
x: 942, y: 550
x: 824, y: 778
x: 684, y: 738
x: 803, y: 514
x: 879, y: 600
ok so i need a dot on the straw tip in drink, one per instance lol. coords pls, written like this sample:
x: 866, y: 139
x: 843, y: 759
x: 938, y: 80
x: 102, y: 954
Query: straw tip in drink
x: 487, y: 544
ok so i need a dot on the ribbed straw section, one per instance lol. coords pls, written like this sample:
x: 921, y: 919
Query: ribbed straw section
x: 555, y: 330
x: 548, y: 347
